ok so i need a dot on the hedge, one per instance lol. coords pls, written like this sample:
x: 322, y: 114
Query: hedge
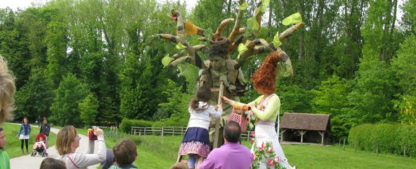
x: 384, y: 138
x: 126, y: 124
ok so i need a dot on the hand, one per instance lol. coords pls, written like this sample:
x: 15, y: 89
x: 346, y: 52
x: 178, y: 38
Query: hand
x: 219, y: 106
x: 227, y: 100
x: 250, y: 115
x: 98, y: 131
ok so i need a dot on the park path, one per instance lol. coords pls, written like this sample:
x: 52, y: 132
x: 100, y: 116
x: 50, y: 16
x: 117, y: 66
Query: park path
x: 28, y: 162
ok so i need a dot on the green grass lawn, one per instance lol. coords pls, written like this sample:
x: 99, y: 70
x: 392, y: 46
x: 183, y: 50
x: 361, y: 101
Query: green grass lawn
x: 160, y: 152
x: 13, y: 142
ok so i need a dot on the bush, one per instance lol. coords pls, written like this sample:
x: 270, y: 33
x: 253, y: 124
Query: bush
x: 126, y: 124
x: 384, y: 138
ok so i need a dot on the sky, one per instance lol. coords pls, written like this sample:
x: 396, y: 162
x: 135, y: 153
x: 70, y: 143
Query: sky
x: 23, y: 4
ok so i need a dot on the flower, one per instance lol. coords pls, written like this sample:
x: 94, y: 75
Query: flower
x: 253, y: 157
x: 262, y: 147
x: 251, y: 140
x: 252, y: 133
x: 270, y: 150
x: 270, y: 162
x: 277, y: 160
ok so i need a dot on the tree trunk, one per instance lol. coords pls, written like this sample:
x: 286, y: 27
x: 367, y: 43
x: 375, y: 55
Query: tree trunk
x: 390, y: 52
x: 302, y: 33
x: 229, y: 7
x: 385, y: 39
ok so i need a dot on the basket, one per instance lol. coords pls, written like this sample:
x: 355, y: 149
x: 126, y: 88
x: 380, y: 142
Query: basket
x: 240, y: 118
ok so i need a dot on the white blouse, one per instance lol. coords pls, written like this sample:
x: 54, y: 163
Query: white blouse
x: 201, y: 118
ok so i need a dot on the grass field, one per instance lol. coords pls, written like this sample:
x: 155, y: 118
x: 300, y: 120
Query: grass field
x: 160, y: 152
x: 13, y: 142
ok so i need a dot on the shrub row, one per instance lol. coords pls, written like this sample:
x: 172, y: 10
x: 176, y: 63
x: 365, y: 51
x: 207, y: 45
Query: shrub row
x: 384, y: 138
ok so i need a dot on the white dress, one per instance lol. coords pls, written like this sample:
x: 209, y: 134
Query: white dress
x: 265, y: 131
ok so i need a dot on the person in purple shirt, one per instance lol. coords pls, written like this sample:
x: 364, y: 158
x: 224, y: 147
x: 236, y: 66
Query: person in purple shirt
x: 231, y: 155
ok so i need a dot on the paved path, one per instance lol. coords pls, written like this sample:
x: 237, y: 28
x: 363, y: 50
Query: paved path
x: 28, y: 162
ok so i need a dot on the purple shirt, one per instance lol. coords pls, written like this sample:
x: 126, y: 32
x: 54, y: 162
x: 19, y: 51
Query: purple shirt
x: 228, y: 156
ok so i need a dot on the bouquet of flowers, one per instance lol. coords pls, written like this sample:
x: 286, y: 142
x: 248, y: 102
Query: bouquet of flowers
x: 264, y: 153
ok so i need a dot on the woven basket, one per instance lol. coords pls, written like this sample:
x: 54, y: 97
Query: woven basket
x: 240, y: 118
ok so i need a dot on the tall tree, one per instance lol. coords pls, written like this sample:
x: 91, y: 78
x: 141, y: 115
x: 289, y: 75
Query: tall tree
x: 35, y: 97
x: 69, y: 94
x: 89, y: 110
x: 404, y: 67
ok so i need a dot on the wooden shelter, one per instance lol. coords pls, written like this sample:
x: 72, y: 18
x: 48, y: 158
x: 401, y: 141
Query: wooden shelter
x: 305, y: 127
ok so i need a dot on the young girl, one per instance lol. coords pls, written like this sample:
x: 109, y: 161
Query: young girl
x: 24, y: 133
x: 196, y: 140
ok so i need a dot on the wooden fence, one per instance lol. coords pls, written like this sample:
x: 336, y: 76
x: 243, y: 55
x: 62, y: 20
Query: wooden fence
x: 170, y: 131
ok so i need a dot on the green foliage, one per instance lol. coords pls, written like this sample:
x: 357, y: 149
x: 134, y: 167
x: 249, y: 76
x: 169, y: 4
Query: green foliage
x: 109, y: 47
x: 384, y: 138
x: 330, y: 95
x: 56, y: 50
x: 294, y: 98
x: 88, y: 108
x: 409, y: 16
x: 13, y: 46
x: 373, y: 92
x: 330, y: 98
x: 176, y: 103
x: 65, y: 109
x: 35, y: 97
x: 126, y: 124
x: 404, y: 67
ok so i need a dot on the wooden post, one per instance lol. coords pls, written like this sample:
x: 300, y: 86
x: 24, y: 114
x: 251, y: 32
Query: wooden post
x: 144, y: 133
x: 173, y: 131
x: 302, y: 132
x: 182, y: 131
x: 322, y: 133
x: 217, y: 121
x: 344, y: 144
x: 162, y: 132
x: 282, y: 135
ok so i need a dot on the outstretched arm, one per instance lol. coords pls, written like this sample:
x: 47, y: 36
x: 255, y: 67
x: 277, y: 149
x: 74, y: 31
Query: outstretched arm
x: 239, y: 104
x: 271, y: 110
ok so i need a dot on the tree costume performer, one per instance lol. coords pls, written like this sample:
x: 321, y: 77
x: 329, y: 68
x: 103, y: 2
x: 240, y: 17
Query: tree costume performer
x: 221, y: 73
x: 266, y: 108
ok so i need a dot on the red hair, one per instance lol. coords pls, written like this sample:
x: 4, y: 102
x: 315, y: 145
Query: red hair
x: 264, y: 78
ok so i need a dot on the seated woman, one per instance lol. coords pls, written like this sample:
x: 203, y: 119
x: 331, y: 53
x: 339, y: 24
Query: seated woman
x: 67, y: 141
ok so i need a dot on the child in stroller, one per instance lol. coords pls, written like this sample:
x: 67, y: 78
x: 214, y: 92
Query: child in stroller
x: 39, y: 146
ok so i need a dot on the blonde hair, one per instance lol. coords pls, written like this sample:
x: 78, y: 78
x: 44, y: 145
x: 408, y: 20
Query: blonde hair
x: 65, y: 138
x: 7, y: 91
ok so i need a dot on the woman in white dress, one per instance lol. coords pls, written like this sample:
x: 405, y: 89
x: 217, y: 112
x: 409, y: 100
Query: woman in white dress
x: 266, y: 108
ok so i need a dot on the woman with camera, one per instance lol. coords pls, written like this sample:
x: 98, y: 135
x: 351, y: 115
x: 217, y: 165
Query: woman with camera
x: 67, y: 141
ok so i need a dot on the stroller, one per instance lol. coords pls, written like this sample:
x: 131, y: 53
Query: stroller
x: 39, y: 147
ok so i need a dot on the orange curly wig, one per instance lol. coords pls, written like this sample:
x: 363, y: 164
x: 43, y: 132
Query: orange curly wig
x: 264, y: 78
